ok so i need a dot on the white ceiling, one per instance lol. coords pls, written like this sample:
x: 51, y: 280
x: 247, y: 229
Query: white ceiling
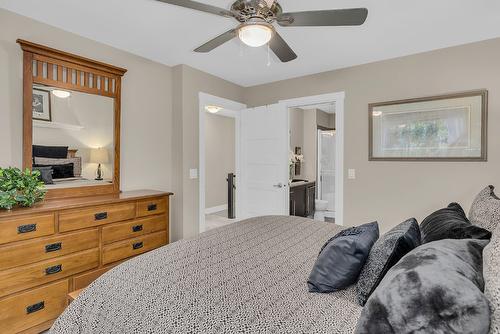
x: 168, y: 34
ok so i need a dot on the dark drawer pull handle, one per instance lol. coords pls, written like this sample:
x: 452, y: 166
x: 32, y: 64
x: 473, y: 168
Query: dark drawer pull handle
x: 35, y: 307
x: 53, y: 247
x: 137, y: 245
x: 137, y: 228
x: 53, y: 270
x: 26, y: 228
x: 101, y: 215
x: 152, y: 207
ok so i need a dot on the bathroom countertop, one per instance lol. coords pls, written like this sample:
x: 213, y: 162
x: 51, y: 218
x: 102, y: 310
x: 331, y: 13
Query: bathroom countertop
x: 301, y: 184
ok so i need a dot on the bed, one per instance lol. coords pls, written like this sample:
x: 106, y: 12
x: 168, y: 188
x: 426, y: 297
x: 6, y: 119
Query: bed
x: 247, y: 277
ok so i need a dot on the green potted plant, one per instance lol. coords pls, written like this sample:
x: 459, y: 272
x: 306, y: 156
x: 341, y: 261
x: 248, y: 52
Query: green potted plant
x: 20, y: 188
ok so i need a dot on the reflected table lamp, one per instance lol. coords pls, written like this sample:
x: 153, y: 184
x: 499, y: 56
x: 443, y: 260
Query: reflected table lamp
x: 99, y: 156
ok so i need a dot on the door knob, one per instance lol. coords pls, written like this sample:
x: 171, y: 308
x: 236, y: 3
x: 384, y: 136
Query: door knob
x: 279, y: 185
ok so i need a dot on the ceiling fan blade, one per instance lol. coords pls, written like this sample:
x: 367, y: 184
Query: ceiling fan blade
x: 200, y: 6
x: 281, y: 48
x: 335, y: 17
x: 217, y: 41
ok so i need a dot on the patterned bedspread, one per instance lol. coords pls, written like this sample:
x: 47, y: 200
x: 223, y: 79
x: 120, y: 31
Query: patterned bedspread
x: 247, y: 277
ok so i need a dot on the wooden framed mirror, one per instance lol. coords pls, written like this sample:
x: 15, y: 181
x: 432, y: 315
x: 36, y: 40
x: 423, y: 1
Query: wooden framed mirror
x: 71, y: 121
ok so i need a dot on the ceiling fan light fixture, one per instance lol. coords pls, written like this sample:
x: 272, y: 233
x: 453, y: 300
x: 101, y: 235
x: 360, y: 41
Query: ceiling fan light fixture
x: 255, y: 34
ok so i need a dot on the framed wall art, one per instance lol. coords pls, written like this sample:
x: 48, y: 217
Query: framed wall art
x: 449, y: 127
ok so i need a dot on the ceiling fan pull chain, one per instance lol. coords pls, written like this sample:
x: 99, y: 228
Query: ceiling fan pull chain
x: 268, y: 55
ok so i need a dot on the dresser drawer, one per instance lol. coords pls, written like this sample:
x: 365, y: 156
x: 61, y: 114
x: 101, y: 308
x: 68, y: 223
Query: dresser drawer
x: 75, y: 219
x: 34, y: 307
x: 31, y: 251
x: 16, y: 229
x: 131, y: 247
x: 84, y: 280
x: 135, y: 228
x: 153, y: 206
x: 21, y: 278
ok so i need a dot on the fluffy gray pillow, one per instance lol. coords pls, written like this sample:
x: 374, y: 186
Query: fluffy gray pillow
x: 491, y: 272
x: 436, y: 288
x: 485, y: 210
x: 386, y: 252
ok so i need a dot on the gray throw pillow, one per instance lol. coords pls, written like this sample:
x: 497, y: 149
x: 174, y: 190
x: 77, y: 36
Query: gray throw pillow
x: 45, y: 174
x: 485, y: 210
x: 386, y: 252
x: 450, y: 223
x: 341, y: 258
x: 436, y: 288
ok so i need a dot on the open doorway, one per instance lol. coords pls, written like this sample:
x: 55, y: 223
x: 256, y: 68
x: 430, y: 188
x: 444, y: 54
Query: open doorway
x: 316, y: 157
x: 312, y: 161
x: 220, y: 166
x: 219, y: 128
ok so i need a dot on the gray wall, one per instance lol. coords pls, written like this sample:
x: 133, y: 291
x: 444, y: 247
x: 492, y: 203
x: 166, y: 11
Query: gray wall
x: 297, y: 133
x: 146, y: 157
x: 219, y: 157
x: 188, y: 82
x: 393, y: 191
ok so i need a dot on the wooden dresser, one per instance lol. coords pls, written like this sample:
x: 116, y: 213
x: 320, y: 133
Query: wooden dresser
x: 63, y: 245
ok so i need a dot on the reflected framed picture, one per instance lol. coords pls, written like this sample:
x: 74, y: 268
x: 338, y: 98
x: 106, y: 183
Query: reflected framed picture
x: 449, y: 127
x: 41, y: 105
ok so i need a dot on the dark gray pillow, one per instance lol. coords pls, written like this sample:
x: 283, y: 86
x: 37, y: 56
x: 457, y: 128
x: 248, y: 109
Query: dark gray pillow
x: 485, y: 210
x: 59, y: 152
x: 436, y: 288
x: 450, y: 223
x: 386, y: 252
x: 45, y: 174
x: 341, y: 258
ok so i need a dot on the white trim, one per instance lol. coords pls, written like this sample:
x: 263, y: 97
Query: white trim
x: 338, y: 99
x: 230, y: 109
x: 215, y: 209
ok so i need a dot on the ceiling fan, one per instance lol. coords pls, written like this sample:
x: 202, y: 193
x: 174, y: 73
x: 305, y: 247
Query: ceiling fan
x: 256, y: 18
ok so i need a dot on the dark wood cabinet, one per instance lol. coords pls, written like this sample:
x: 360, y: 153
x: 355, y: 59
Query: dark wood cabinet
x: 302, y: 196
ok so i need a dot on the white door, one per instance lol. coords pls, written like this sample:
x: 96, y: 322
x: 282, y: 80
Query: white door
x: 264, y: 161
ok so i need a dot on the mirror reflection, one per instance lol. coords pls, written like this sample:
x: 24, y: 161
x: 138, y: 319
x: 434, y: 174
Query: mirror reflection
x: 72, y: 137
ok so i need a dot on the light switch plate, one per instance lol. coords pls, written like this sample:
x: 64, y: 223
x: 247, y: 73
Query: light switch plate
x: 193, y: 173
x: 351, y: 174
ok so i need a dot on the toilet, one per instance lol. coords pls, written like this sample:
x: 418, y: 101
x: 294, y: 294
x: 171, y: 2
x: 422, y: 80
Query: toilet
x: 321, y: 211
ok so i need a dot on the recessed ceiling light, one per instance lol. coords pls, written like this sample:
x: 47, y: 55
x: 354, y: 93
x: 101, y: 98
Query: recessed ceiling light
x: 377, y: 113
x: 61, y: 93
x: 212, y: 109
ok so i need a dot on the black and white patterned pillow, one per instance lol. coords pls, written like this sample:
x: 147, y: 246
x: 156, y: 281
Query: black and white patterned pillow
x: 386, y: 252
x: 485, y: 210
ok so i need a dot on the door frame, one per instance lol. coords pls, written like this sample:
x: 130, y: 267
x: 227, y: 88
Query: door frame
x: 337, y: 98
x: 229, y: 109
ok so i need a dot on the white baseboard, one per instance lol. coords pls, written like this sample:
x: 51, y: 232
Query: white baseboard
x: 215, y: 209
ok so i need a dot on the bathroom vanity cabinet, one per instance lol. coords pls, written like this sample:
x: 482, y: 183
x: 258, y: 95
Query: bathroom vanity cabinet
x: 302, y: 196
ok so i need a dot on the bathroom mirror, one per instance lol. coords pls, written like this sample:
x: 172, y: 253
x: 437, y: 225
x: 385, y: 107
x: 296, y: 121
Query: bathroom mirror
x: 71, y: 122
